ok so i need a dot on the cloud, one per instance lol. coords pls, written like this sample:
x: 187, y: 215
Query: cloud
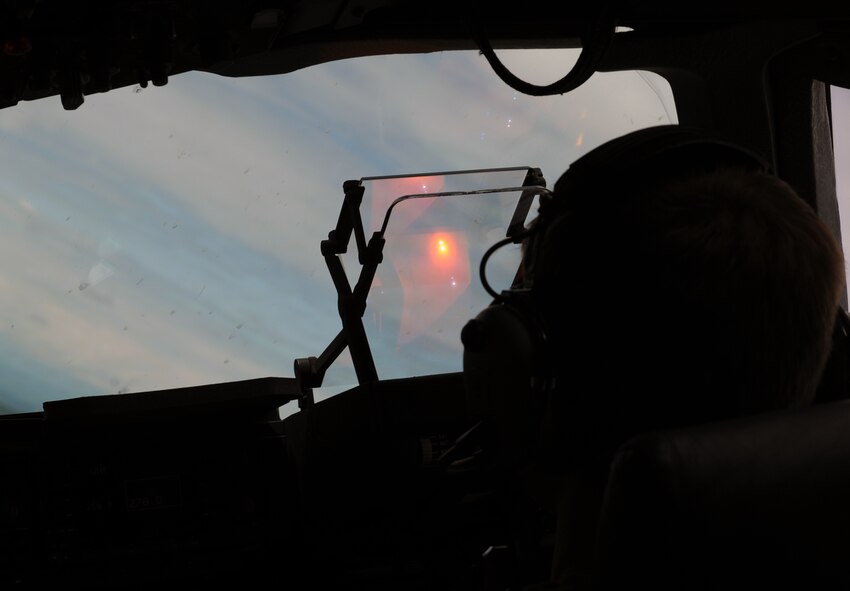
x: 142, y: 308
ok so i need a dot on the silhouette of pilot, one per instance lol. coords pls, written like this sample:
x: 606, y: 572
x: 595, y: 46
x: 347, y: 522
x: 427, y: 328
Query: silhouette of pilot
x: 669, y: 280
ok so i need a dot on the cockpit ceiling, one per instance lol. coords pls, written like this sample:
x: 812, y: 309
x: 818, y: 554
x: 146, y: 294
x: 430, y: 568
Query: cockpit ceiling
x: 75, y: 48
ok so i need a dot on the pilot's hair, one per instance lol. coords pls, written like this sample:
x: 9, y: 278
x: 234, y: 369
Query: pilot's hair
x: 692, y: 299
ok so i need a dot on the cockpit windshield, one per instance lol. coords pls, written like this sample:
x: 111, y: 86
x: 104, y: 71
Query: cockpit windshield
x: 166, y: 237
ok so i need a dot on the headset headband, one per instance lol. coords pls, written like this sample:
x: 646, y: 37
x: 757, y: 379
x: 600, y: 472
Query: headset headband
x: 668, y: 150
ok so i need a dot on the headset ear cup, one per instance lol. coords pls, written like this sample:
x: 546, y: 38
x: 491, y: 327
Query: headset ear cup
x: 499, y: 362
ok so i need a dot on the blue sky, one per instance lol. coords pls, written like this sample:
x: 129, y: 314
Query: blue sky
x: 167, y: 237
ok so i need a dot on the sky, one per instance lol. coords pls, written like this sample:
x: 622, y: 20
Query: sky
x: 169, y: 236
x: 841, y: 131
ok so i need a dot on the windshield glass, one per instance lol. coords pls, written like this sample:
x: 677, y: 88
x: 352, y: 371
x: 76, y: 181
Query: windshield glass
x: 841, y: 141
x: 165, y: 237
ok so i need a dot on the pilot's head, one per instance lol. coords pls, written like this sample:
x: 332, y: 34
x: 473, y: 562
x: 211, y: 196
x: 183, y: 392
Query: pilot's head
x: 672, y: 280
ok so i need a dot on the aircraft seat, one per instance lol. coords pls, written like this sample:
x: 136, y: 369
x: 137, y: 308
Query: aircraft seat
x: 756, y: 502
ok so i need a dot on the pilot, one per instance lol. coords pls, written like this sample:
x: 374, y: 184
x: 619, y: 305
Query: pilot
x: 669, y: 280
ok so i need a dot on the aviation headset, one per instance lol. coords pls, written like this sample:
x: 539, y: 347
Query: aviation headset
x: 508, y: 363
